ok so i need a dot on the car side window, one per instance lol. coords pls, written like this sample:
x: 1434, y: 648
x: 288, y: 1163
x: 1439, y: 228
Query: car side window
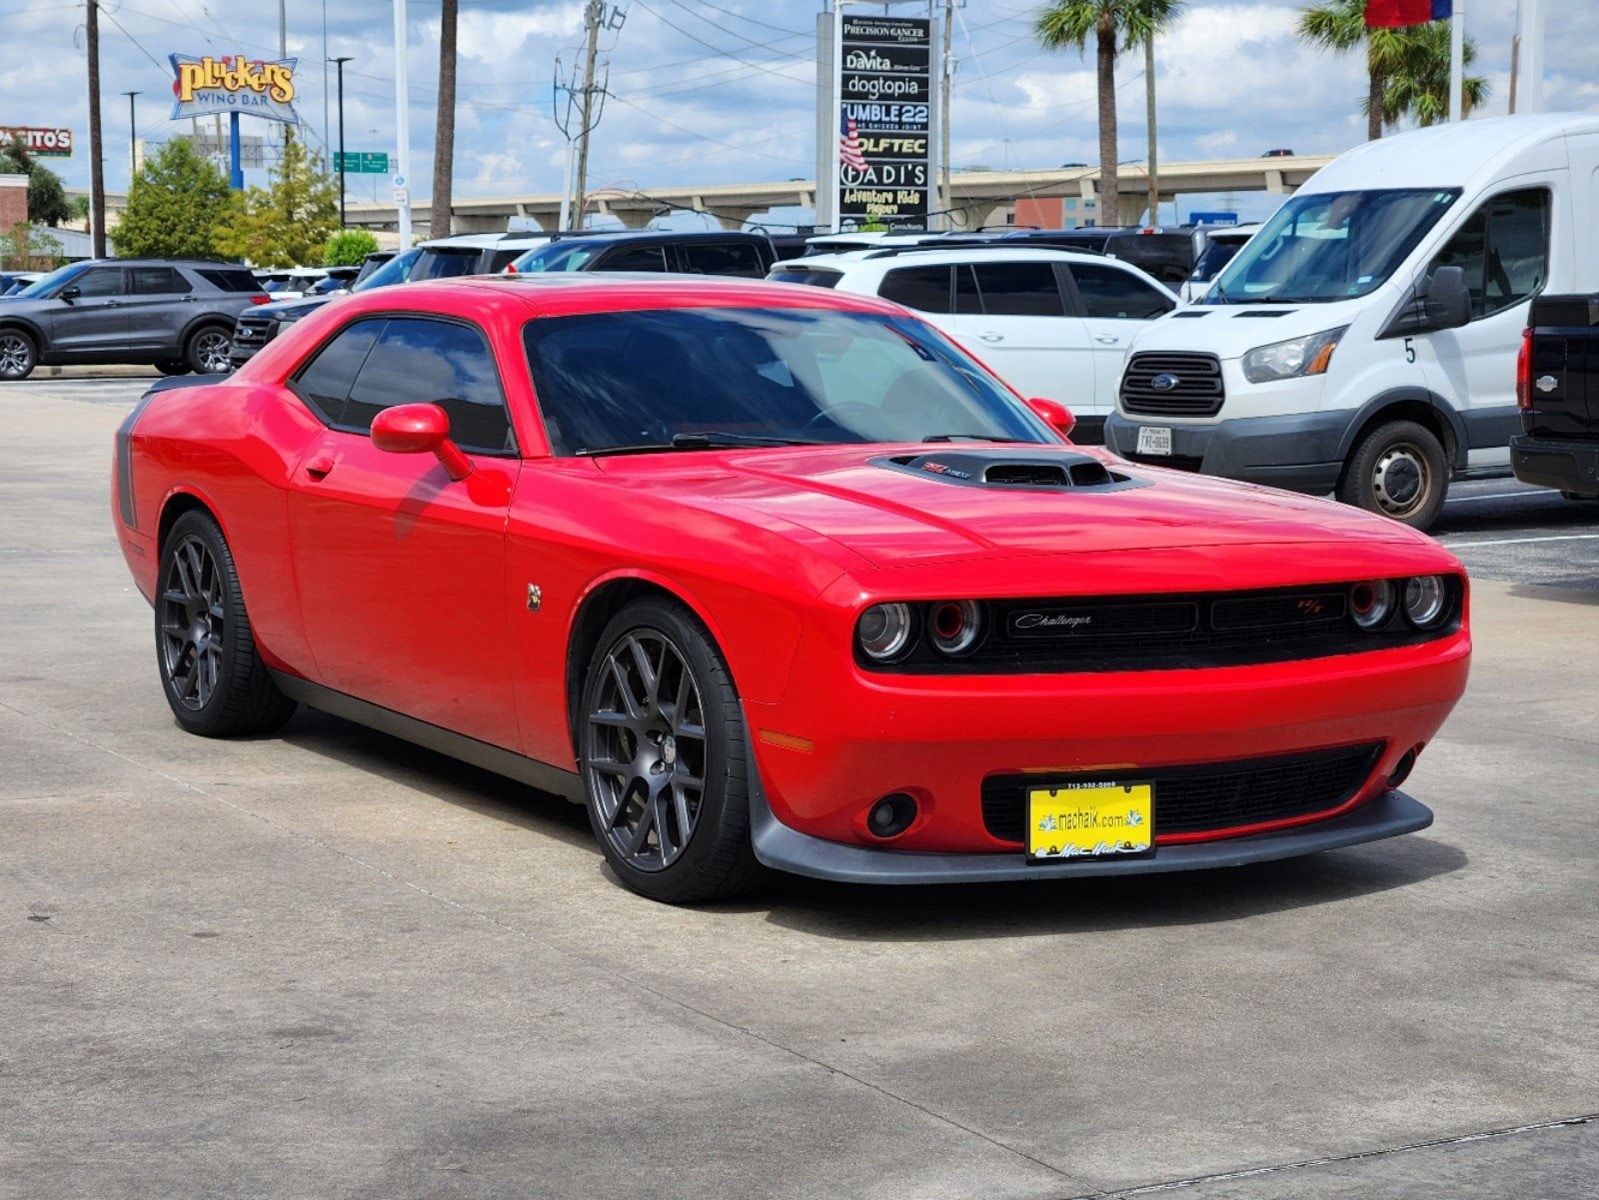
x: 1109, y: 292
x: 157, y: 281
x: 1504, y: 249
x: 734, y: 258
x: 324, y: 383
x: 1019, y: 289
x: 419, y: 360
x: 102, y: 281
x: 633, y: 258
x: 926, y: 289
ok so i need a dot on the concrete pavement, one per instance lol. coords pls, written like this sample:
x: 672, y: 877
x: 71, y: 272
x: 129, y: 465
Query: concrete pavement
x: 330, y: 964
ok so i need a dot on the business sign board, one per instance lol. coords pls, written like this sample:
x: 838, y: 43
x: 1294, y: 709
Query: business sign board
x: 207, y: 85
x: 363, y: 162
x: 885, y: 129
x: 41, y: 143
x: 252, y: 149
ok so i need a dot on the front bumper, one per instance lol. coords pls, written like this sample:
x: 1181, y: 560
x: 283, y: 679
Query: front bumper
x: 1297, y: 451
x: 1563, y: 463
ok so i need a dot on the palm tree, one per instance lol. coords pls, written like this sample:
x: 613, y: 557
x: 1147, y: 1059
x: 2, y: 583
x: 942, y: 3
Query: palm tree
x: 1069, y: 23
x: 1418, y: 88
x: 1340, y: 26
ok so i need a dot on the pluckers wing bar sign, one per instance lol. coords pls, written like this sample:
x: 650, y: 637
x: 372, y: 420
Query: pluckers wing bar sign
x: 234, y: 85
x: 886, y: 101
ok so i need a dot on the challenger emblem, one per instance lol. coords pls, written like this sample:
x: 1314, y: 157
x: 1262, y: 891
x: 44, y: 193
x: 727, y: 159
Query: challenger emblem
x: 1059, y: 621
x: 1164, y: 383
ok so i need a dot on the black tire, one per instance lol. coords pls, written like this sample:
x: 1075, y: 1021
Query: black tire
x: 1398, y: 470
x: 18, y: 354
x: 207, y: 350
x: 1580, y: 497
x: 213, y: 678
x: 172, y: 366
x: 658, y: 706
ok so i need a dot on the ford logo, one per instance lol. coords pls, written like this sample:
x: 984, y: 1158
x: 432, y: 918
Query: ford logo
x: 1164, y: 383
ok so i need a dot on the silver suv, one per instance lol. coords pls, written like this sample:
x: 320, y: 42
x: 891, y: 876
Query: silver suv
x: 175, y: 315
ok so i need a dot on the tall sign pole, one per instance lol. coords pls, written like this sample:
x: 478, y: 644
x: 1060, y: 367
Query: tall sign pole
x: 340, y: 63
x: 96, y: 168
x: 402, y: 128
x: 1457, y: 61
x: 946, y: 86
x: 133, y: 137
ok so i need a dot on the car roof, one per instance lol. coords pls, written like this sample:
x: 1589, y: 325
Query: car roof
x: 939, y: 255
x: 655, y: 235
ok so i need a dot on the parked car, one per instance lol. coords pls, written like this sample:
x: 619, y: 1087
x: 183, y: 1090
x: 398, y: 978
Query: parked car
x: 1557, y: 390
x: 256, y: 327
x: 175, y: 314
x: 1362, y: 342
x: 696, y: 252
x: 777, y: 576
x: 473, y: 254
x: 372, y: 262
x: 1167, y: 253
x: 1052, y: 323
x: 334, y: 280
x: 17, y: 280
x: 1222, y: 242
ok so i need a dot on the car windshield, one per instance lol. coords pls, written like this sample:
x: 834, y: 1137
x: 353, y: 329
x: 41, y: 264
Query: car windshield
x: 396, y: 270
x: 693, y: 378
x: 1330, y: 246
x: 565, y: 255
x: 43, y: 287
x: 1218, y: 252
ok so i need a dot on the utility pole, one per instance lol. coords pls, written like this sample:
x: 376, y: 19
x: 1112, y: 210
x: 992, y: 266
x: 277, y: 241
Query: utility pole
x: 1149, y: 96
x: 340, y: 63
x: 592, y: 15
x: 133, y: 138
x: 444, y: 124
x: 402, y: 128
x: 946, y: 83
x: 585, y: 104
x: 96, y: 168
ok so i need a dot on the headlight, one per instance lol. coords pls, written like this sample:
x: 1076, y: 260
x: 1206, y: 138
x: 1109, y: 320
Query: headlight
x: 954, y: 626
x: 1307, y: 355
x: 1426, y: 601
x: 1371, y: 603
x: 884, y: 631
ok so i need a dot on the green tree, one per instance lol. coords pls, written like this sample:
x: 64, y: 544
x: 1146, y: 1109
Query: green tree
x: 288, y: 223
x: 1128, y: 22
x: 1418, y: 87
x: 47, y: 199
x: 177, y: 206
x: 348, y: 248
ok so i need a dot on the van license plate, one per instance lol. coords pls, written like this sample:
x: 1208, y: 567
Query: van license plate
x: 1154, y: 439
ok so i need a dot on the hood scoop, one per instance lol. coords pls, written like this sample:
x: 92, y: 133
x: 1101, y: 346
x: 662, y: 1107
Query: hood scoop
x: 1007, y: 469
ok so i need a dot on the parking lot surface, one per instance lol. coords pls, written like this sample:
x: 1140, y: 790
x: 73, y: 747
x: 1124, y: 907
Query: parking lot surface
x: 327, y: 963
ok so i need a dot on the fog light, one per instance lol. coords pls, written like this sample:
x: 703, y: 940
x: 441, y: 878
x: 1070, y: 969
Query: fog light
x: 891, y: 816
x: 1402, y: 769
x: 1371, y: 603
x: 955, y: 626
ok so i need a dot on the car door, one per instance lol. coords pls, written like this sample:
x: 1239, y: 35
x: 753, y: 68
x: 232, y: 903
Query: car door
x: 158, y: 303
x: 1026, y: 333
x: 401, y: 570
x: 1116, y: 303
x: 93, y: 319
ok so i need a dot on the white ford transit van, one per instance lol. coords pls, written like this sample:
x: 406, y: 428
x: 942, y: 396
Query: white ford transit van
x: 1364, y: 341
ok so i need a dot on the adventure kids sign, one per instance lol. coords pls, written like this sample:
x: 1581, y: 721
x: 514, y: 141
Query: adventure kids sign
x: 234, y: 85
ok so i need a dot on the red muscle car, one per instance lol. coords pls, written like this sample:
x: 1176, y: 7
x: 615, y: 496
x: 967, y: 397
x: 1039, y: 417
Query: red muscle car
x: 771, y: 575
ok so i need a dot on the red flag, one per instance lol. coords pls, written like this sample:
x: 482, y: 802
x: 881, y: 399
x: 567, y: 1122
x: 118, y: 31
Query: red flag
x: 1390, y: 14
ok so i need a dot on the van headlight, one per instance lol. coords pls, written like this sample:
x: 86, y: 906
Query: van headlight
x: 1308, y: 355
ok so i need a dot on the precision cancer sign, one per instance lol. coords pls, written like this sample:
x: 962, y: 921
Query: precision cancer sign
x: 207, y: 85
x: 886, y: 99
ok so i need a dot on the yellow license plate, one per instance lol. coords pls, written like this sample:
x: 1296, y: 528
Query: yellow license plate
x: 1097, y: 820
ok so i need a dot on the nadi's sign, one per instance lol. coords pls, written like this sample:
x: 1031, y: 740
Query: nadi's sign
x: 234, y: 85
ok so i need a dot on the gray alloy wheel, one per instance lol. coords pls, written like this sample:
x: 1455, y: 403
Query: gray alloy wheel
x: 208, y: 351
x: 211, y: 673
x: 17, y: 354
x: 663, y: 758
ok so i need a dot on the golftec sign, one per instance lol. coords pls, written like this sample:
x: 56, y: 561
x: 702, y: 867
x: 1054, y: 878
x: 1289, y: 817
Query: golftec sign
x: 234, y: 85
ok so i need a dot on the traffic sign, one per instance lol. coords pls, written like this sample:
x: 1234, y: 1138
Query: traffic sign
x: 362, y: 162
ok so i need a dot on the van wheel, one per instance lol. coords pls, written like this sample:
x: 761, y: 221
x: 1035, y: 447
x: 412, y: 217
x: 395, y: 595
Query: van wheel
x: 1398, y: 470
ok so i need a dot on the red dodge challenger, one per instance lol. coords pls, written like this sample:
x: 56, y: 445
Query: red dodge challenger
x: 765, y: 574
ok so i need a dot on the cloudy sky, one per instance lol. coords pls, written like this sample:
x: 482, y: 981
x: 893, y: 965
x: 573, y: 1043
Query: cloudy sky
x: 723, y: 91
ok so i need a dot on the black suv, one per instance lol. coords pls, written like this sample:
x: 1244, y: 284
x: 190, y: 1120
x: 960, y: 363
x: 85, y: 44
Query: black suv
x: 691, y: 252
x: 176, y: 315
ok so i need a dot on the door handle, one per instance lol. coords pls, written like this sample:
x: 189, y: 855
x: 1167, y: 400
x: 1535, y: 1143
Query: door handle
x: 319, y: 467
x: 1105, y: 339
x: 992, y: 337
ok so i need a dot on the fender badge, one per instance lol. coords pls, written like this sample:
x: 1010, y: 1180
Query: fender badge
x: 535, y: 597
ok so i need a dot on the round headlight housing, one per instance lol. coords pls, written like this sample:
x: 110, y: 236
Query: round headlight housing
x: 1426, y: 601
x: 954, y: 626
x: 1371, y: 603
x: 884, y: 631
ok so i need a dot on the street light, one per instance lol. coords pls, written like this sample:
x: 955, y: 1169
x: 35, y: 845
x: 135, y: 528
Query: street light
x: 340, y: 63
x: 133, y: 138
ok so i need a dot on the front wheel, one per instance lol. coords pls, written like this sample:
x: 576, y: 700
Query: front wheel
x: 211, y: 673
x: 1398, y: 470
x: 207, y: 351
x: 18, y: 354
x: 663, y: 755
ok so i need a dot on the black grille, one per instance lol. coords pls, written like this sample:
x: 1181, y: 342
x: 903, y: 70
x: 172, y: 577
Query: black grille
x: 254, y: 331
x: 1209, y: 796
x: 1197, y: 392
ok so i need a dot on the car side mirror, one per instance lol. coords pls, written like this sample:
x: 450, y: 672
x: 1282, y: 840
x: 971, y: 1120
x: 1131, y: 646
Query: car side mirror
x: 71, y: 292
x: 1056, y: 415
x: 420, y: 429
x: 1447, y: 303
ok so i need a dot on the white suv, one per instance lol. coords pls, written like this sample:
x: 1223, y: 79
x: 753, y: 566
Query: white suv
x: 1051, y: 323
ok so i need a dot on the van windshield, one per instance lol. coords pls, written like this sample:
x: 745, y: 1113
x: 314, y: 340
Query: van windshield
x: 1330, y: 246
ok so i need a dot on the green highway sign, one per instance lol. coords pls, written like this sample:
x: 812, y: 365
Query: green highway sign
x: 364, y: 162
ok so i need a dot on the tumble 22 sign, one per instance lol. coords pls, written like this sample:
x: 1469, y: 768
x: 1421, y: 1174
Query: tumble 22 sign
x: 234, y: 85
x: 885, y: 128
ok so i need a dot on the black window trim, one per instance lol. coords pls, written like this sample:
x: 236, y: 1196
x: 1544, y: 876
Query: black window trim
x: 1114, y: 264
x: 386, y: 315
x: 1487, y: 232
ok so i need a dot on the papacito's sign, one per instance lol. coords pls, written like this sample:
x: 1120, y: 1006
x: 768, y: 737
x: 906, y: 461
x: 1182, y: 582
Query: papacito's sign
x: 203, y: 86
x: 41, y: 143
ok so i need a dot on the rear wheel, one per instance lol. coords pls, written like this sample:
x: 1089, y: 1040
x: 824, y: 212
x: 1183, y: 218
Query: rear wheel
x: 18, y: 354
x: 664, y: 758
x: 207, y: 351
x: 211, y: 673
x: 1398, y: 470
x: 172, y: 366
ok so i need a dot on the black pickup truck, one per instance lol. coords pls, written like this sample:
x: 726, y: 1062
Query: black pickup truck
x: 1557, y: 390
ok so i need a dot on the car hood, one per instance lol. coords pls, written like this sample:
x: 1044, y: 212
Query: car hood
x: 895, y: 506
x: 1232, y: 330
x: 292, y: 309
